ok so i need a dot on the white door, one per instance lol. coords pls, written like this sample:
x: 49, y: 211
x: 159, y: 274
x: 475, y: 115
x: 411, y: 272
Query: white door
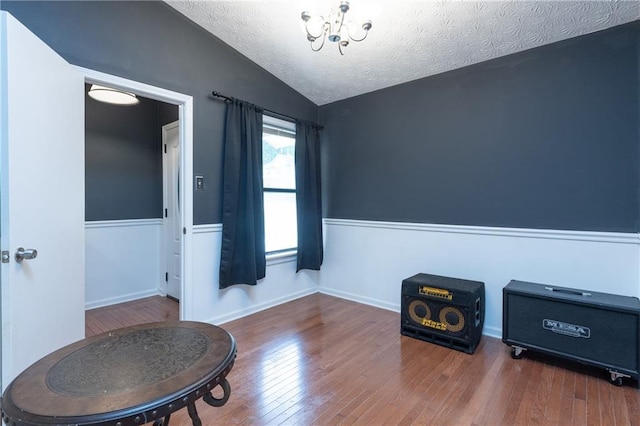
x: 172, y: 228
x: 41, y: 198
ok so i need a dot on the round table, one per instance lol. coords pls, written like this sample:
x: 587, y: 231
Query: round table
x: 130, y: 376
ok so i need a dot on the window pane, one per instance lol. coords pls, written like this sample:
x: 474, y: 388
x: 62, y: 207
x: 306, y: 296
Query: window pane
x: 280, y: 223
x: 278, y: 160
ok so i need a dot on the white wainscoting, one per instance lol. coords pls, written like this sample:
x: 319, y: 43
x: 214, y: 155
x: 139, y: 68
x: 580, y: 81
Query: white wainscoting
x: 366, y: 261
x: 210, y: 304
x: 122, y: 261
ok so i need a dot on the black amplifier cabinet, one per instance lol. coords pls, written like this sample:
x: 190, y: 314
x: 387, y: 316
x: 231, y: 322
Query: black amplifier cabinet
x: 443, y: 310
x: 593, y: 328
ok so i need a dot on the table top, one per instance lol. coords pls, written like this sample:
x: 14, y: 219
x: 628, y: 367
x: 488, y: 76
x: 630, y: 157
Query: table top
x: 127, y: 376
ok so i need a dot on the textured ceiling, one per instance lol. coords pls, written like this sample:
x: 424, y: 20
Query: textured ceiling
x: 410, y: 39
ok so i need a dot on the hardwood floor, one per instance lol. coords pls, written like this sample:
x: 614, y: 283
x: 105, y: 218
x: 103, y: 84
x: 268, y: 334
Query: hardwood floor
x: 142, y: 311
x: 321, y: 360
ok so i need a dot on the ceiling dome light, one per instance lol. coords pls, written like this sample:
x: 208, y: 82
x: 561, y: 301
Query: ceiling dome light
x: 112, y: 96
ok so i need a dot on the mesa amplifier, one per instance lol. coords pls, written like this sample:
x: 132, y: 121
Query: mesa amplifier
x: 598, y: 329
x: 443, y: 310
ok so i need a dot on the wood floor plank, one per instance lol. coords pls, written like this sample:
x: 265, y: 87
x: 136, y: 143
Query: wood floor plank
x: 544, y: 387
x: 632, y: 403
x: 610, y: 405
x: 555, y: 399
x: 472, y: 414
x: 593, y: 402
x: 473, y: 370
x: 320, y: 360
x: 579, y: 413
x: 151, y: 309
x: 501, y: 395
x: 444, y: 390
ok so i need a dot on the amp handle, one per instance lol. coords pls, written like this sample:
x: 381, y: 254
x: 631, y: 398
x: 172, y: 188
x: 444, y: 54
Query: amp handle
x: 569, y: 291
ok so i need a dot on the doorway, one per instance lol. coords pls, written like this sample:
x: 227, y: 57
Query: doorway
x: 181, y: 131
x: 131, y: 188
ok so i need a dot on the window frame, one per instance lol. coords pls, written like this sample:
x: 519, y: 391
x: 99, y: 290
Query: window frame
x: 288, y: 127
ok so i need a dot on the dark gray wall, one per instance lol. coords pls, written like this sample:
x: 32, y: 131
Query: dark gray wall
x: 150, y: 42
x: 547, y: 138
x: 123, y: 159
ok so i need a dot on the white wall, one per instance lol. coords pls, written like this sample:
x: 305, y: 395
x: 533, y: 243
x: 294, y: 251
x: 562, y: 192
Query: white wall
x: 367, y: 261
x: 210, y: 304
x: 122, y: 261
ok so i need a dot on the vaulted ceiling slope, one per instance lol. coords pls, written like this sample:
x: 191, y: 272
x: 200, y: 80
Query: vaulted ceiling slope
x: 410, y: 39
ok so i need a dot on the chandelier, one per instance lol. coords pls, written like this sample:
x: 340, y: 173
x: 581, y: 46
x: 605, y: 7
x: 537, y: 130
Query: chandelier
x: 333, y: 28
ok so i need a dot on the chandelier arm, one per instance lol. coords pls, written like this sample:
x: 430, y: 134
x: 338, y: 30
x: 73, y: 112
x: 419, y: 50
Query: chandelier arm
x: 357, y: 39
x: 340, y: 49
x: 341, y: 22
x: 322, y: 44
x: 366, y: 26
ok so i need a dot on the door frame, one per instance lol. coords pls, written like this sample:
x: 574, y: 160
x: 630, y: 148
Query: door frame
x: 185, y: 117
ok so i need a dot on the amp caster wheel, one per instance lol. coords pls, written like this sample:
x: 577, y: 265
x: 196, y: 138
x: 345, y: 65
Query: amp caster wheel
x: 517, y: 352
x: 615, y: 378
x: 617, y: 381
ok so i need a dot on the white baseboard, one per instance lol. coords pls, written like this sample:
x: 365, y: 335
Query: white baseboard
x: 378, y: 303
x: 121, y: 299
x: 492, y: 332
x: 240, y: 313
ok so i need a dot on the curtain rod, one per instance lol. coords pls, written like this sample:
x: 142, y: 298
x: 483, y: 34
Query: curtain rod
x: 229, y: 98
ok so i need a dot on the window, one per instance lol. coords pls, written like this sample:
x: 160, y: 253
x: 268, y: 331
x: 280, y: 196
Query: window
x: 279, y: 181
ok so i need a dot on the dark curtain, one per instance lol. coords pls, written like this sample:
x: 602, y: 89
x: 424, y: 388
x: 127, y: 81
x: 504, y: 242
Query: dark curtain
x: 308, y: 196
x: 242, y: 260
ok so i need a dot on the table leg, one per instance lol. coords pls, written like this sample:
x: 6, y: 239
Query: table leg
x: 193, y: 413
x: 163, y: 422
x: 219, y: 402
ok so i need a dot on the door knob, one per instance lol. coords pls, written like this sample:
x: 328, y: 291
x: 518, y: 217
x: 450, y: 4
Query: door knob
x: 22, y: 254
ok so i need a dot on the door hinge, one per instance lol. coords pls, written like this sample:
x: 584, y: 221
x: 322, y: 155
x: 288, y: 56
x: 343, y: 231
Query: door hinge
x: 184, y: 231
x: 5, y: 257
x: 165, y: 213
x: 166, y: 277
x: 165, y: 148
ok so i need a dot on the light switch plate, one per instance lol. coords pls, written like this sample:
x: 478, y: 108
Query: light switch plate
x: 199, y: 183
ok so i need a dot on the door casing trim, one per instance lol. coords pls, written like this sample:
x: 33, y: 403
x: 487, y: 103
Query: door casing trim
x: 185, y: 117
